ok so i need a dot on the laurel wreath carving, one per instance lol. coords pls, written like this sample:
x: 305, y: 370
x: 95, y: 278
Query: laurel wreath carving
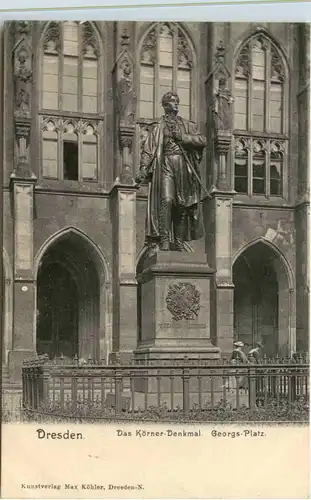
x: 183, y: 301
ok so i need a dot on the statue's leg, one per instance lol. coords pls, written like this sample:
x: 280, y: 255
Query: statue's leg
x: 165, y: 222
x: 166, y: 207
x: 179, y: 220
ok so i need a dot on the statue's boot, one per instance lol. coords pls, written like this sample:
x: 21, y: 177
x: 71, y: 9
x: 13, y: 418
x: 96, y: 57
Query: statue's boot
x: 165, y: 223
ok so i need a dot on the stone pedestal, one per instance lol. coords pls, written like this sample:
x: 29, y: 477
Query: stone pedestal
x: 175, y: 309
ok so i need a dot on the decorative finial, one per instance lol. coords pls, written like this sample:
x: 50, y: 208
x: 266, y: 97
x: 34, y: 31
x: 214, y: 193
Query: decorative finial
x: 125, y: 39
x: 220, y: 51
x: 23, y: 27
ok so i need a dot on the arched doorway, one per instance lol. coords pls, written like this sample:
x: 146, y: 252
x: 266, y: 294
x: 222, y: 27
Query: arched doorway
x: 58, y: 313
x: 263, y: 306
x: 68, y: 299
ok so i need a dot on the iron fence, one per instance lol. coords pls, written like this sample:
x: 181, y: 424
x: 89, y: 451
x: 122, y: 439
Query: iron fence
x: 190, y: 389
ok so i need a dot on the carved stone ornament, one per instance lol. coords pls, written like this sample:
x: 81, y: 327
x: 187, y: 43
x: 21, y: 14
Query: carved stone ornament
x: 125, y: 40
x: 242, y: 146
x: 52, y: 38
x: 126, y: 98
x: 222, y: 110
x: 219, y: 70
x: 259, y: 148
x: 22, y: 27
x: 184, y: 51
x: 148, y: 51
x: 277, y: 149
x: 183, y: 301
x: 90, y: 41
x: 22, y: 61
x: 277, y: 67
x: 260, y: 42
x: 242, y: 67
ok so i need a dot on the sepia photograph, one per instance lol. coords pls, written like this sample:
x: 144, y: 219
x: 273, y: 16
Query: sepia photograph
x: 155, y: 222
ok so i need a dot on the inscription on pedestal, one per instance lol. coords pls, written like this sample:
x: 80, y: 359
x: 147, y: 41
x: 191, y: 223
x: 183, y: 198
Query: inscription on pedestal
x: 183, y: 301
x: 193, y: 326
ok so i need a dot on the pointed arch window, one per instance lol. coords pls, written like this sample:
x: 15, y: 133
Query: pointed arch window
x: 259, y: 87
x: 70, y: 80
x: 260, y: 118
x: 70, y: 114
x: 166, y: 64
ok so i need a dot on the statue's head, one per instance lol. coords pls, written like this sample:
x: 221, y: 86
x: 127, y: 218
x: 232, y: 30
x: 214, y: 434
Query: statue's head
x: 170, y: 102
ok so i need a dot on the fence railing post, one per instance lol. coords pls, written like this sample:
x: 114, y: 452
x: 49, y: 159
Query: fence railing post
x: 118, y: 388
x: 186, y: 380
x: 24, y: 382
x: 252, y: 387
x: 45, y: 386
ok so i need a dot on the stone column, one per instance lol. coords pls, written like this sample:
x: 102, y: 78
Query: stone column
x: 302, y: 209
x: 219, y: 249
x: 24, y: 284
x: 219, y: 244
x: 22, y: 182
x: 123, y: 203
x: 222, y: 143
x: 218, y: 209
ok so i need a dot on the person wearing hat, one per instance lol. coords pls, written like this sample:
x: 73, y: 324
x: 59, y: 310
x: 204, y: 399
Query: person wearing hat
x: 237, y: 357
x: 254, y: 354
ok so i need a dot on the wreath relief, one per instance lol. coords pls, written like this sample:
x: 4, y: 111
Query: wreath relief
x: 183, y: 301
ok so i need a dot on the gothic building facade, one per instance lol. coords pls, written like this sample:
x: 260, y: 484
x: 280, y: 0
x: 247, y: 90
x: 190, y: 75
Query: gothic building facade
x: 78, y: 98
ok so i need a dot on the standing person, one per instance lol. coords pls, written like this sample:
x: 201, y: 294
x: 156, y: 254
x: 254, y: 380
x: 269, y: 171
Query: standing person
x: 255, y: 354
x: 238, y: 354
x: 170, y: 160
x: 238, y: 357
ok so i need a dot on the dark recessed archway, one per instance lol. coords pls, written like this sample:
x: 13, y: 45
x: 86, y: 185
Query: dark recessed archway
x: 262, y: 300
x: 58, y: 311
x: 68, y: 299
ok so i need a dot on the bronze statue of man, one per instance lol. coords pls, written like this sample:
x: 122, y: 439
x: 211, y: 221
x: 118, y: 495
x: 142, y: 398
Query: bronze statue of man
x: 170, y: 159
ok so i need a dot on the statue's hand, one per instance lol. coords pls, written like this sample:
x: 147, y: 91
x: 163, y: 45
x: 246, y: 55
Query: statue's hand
x: 176, y: 134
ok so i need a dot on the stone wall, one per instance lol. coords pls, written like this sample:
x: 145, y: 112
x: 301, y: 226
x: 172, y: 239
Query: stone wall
x: 91, y: 209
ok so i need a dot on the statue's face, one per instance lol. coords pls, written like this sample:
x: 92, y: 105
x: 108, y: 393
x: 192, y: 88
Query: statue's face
x: 172, y: 104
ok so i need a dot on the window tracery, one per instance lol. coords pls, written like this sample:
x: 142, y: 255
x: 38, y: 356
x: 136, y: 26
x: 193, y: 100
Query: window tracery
x: 166, y: 63
x: 70, y: 85
x: 260, y: 113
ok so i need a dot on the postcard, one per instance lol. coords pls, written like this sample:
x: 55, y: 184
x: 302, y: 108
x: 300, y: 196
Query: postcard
x: 155, y: 259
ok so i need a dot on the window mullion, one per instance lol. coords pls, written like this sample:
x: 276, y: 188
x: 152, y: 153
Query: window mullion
x: 80, y: 158
x: 267, y: 170
x: 267, y: 90
x: 175, y: 58
x: 61, y: 152
x: 250, y: 169
x: 80, y: 67
x: 157, y: 71
x: 61, y: 71
x: 250, y: 88
x: 284, y: 170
